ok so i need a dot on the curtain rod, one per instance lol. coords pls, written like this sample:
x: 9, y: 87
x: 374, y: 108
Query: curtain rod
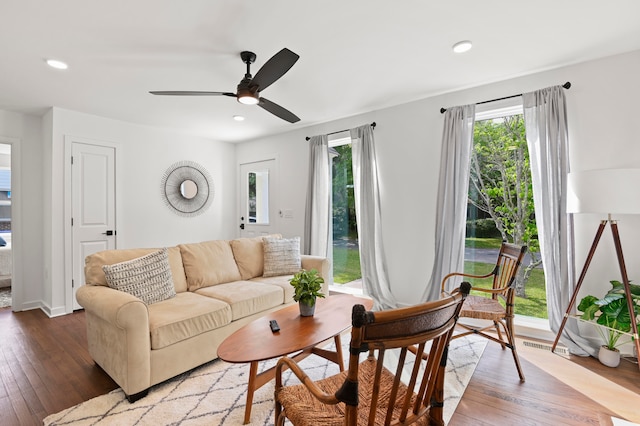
x: 345, y: 130
x: 566, y: 86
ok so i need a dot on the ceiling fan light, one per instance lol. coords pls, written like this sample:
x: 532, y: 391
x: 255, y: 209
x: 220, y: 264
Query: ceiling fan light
x: 248, y: 99
x: 246, y: 94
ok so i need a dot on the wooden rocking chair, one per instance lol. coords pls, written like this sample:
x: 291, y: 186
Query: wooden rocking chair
x: 368, y: 393
x: 499, y: 307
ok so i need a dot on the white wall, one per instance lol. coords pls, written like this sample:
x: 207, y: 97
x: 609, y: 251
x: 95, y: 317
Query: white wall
x: 143, y: 220
x: 603, y: 134
x: 24, y: 132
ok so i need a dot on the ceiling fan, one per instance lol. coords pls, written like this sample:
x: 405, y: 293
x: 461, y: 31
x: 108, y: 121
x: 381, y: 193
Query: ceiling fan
x: 248, y: 91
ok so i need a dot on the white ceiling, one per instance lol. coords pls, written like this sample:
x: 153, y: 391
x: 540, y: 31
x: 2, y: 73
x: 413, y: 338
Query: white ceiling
x: 355, y: 55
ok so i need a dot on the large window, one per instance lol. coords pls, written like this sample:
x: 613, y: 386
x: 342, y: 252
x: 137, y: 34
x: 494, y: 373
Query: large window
x: 346, y: 252
x: 501, y: 205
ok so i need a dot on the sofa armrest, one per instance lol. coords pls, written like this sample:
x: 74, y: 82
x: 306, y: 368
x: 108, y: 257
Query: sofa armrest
x: 321, y: 264
x: 118, y: 335
x: 121, y: 309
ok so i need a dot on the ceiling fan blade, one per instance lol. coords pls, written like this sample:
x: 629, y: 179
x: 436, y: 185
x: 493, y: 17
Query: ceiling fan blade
x: 274, y: 68
x: 277, y: 110
x: 188, y: 93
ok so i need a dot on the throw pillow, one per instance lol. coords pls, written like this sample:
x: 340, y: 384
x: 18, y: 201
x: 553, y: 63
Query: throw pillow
x: 147, y: 277
x: 281, y: 256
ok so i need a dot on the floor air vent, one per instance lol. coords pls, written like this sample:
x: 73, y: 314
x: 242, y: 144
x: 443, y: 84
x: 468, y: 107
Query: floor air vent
x: 559, y: 349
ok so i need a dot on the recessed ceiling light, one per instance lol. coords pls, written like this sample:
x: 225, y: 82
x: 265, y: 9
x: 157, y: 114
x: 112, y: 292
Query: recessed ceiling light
x: 462, y: 46
x: 54, y: 63
x: 238, y: 117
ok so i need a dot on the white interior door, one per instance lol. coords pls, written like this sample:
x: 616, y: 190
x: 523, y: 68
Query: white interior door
x: 93, y: 205
x: 258, y: 198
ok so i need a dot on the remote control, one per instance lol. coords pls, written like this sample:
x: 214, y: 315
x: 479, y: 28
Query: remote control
x: 274, y: 326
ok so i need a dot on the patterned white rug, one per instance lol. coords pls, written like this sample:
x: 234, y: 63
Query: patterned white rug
x: 5, y: 297
x: 215, y: 394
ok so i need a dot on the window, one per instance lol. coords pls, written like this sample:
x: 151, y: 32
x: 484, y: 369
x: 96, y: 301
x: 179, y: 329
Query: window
x: 501, y: 204
x: 258, y: 197
x: 346, y: 251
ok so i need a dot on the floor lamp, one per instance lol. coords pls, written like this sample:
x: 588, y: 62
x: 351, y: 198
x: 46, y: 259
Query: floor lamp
x: 604, y: 191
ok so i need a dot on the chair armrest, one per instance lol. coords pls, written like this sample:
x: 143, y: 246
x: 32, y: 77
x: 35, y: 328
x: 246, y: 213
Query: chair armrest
x: 491, y: 290
x: 286, y: 362
x: 461, y: 274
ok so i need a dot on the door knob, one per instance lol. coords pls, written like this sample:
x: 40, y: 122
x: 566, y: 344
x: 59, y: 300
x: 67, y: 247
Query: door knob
x: 109, y: 232
x: 242, y: 226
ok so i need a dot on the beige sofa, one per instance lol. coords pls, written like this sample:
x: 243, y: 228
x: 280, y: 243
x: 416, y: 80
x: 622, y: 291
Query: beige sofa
x: 219, y: 287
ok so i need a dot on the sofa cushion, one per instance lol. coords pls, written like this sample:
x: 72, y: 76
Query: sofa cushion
x: 185, y: 316
x: 94, y: 275
x: 281, y: 281
x: 249, y: 255
x: 245, y: 297
x: 147, y: 277
x: 281, y: 256
x: 209, y: 263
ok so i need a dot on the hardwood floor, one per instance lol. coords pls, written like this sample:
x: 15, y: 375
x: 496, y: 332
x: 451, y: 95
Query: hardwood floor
x: 559, y: 390
x: 45, y: 368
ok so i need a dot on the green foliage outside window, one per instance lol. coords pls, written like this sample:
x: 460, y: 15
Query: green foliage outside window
x: 500, y: 185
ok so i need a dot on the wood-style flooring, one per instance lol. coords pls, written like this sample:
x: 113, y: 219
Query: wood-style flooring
x: 45, y: 367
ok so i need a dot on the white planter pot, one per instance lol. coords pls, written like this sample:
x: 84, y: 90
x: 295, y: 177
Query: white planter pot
x: 610, y: 358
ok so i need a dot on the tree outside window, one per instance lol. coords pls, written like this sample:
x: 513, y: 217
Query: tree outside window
x: 501, y: 204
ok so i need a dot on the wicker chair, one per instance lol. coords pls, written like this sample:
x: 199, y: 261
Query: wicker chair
x: 499, y: 307
x: 368, y: 393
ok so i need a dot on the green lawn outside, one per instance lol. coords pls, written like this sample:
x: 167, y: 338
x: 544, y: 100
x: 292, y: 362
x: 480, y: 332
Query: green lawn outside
x: 483, y: 243
x: 346, y: 265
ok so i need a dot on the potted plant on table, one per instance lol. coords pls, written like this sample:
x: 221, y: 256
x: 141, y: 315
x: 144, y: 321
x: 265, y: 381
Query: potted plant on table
x: 307, y: 285
x: 612, y: 313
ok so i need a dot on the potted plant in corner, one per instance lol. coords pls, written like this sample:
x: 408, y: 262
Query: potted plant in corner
x: 307, y: 285
x: 612, y: 313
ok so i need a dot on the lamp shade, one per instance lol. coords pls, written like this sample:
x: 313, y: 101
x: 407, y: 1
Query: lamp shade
x: 604, y: 191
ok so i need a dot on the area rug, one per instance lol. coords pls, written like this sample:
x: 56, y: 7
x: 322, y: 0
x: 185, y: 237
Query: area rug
x: 215, y: 394
x: 5, y: 297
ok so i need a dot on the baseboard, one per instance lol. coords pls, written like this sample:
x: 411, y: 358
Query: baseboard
x: 51, y: 312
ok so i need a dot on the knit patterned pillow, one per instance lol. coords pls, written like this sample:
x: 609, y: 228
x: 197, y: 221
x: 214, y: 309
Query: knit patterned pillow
x: 281, y: 256
x: 147, y: 277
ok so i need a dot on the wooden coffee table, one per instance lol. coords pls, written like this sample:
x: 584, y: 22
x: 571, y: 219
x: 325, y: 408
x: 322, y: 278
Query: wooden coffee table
x: 298, y: 335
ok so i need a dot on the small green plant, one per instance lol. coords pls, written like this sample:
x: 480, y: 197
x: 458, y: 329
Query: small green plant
x: 307, y: 285
x: 611, y: 312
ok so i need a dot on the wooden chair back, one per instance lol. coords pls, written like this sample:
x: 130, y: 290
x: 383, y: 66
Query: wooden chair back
x: 504, y: 273
x: 401, y: 337
x: 506, y: 270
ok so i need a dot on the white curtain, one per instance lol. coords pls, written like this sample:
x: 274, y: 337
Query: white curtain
x: 453, y: 188
x: 318, y: 217
x: 547, y: 138
x: 375, y: 279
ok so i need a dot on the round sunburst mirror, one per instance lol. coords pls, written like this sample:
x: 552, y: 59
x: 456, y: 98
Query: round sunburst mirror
x: 187, y: 188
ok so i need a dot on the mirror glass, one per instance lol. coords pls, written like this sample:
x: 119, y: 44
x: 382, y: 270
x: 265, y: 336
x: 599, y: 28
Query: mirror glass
x: 188, y: 189
x: 258, y: 193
